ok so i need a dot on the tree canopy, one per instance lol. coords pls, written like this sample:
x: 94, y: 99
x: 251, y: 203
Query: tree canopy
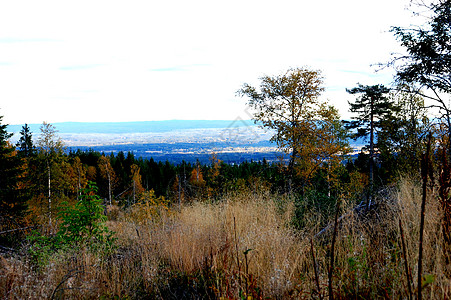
x: 305, y: 126
x: 427, y: 61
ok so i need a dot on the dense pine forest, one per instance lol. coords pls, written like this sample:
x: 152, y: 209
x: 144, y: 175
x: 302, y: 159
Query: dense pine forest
x: 323, y: 222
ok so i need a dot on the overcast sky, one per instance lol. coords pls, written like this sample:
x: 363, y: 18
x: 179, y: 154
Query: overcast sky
x: 159, y: 60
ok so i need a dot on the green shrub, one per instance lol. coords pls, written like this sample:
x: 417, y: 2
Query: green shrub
x: 84, y: 223
x: 81, y: 225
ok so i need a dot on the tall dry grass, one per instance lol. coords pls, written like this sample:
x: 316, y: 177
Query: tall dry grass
x: 245, y: 246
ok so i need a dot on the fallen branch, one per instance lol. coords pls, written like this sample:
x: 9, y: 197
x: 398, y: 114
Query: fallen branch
x: 12, y: 230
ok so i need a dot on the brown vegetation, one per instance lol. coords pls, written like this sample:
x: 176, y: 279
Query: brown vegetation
x: 245, y: 246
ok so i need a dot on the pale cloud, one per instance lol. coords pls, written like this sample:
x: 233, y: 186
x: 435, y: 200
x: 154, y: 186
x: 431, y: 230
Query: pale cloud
x: 155, y: 60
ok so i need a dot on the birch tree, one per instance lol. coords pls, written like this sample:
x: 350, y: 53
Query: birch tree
x: 50, y: 148
x: 305, y: 126
x: 107, y: 172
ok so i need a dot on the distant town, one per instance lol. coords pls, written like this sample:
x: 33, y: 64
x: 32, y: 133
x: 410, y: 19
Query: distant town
x: 233, y: 141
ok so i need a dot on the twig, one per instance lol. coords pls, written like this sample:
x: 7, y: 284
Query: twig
x: 406, y: 264
x: 6, y: 249
x: 12, y: 230
x: 331, y: 267
x: 65, y: 278
x: 315, y: 270
x: 246, y: 270
x: 237, y: 255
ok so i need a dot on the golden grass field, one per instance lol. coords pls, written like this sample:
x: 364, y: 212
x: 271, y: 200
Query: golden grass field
x: 245, y: 247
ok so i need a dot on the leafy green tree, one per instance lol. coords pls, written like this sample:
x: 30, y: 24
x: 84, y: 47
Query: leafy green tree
x: 84, y: 223
x: 305, y: 127
x: 428, y: 58
x: 81, y: 226
x: 371, y: 107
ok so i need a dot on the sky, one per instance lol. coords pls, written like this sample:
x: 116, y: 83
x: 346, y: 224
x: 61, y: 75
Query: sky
x: 114, y: 61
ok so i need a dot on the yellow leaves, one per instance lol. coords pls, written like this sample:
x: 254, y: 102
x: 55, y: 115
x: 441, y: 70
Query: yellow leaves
x: 136, y: 179
x: 105, y: 168
x: 216, y: 163
x: 106, y: 171
x: 357, y: 183
x: 306, y: 127
x: 197, y: 177
x: 148, y: 208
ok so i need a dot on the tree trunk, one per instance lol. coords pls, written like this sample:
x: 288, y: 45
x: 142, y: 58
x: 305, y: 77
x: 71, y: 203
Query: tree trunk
x: 197, y: 173
x: 291, y: 174
x: 79, y: 183
x: 49, y: 194
x: 448, y: 120
x: 179, y: 191
x: 109, y: 186
x: 370, y: 198
x: 134, y: 191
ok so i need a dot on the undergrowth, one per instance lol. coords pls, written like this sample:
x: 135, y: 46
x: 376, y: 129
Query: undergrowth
x: 244, y: 247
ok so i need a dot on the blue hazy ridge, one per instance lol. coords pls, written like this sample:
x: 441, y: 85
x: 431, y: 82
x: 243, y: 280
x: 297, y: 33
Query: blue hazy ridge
x: 135, y: 127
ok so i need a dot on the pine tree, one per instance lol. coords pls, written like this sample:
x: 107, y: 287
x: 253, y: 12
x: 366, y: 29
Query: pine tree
x: 372, y: 107
x: 12, y: 201
x: 25, y: 144
x: 427, y: 61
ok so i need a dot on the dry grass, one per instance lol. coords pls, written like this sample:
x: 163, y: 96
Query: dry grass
x: 198, y: 253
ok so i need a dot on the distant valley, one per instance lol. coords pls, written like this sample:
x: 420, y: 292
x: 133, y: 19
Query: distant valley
x: 233, y: 141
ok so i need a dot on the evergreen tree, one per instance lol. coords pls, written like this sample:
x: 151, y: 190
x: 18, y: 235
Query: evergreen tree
x: 400, y: 140
x: 12, y: 202
x: 371, y: 107
x: 25, y: 145
x: 427, y: 62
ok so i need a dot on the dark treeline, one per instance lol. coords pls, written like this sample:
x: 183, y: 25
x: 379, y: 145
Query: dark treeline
x: 37, y: 175
x: 42, y: 174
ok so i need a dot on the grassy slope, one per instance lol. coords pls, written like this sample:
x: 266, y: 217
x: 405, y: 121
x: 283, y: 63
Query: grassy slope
x: 198, y: 252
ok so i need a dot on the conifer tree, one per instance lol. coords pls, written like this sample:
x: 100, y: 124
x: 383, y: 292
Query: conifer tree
x: 372, y: 106
x: 400, y: 139
x: 25, y: 144
x: 12, y: 202
x: 427, y: 61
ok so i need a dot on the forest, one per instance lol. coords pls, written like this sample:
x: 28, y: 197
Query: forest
x: 320, y: 223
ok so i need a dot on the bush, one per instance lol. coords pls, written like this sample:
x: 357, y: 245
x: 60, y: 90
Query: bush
x: 82, y: 225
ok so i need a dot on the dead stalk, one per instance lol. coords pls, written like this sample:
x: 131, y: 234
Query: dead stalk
x: 425, y: 169
x: 315, y: 270
x: 406, y: 263
x: 237, y: 255
x: 331, y: 267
